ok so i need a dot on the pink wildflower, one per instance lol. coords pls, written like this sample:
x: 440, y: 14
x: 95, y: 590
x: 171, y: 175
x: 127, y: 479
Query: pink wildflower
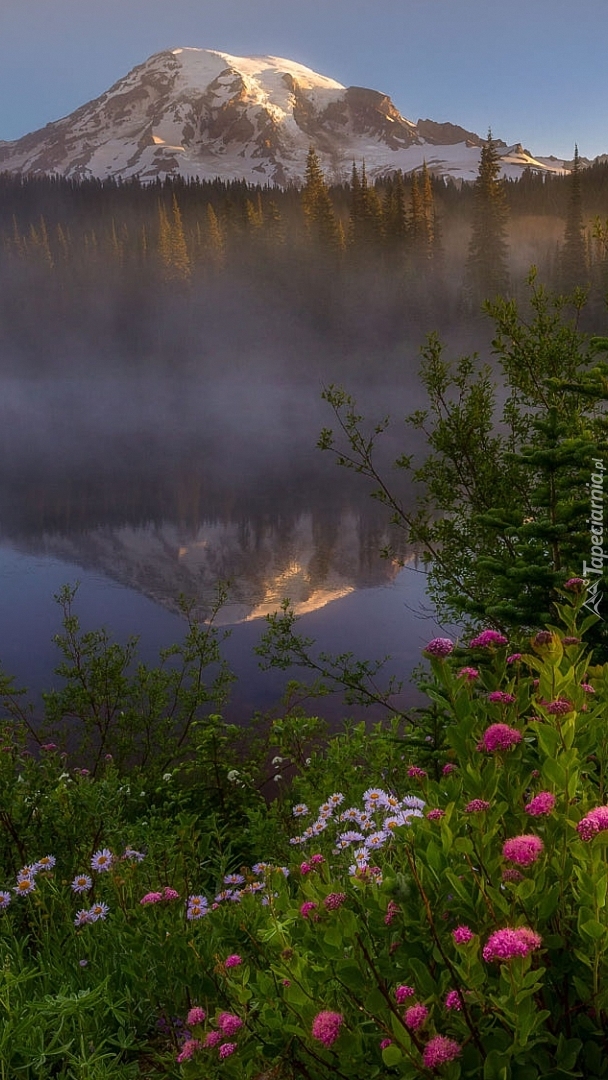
x: 435, y: 815
x: 487, y: 639
x: 415, y: 1017
x: 316, y: 860
x: 439, y: 1051
x: 385, y: 1043
x: 468, y: 673
x: 523, y: 850
x: 544, y: 637
x: 212, y: 1038
x: 476, y: 806
x: 170, y: 894
x: 499, y: 737
x: 462, y: 934
x: 559, y: 707
x: 228, y: 1023
x: 151, y: 898
x: 402, y: 993
x: 334, y: 900
x: 226, y: 1049
x: 233, y: 960
x: 571, y: 641
x: 449, y: 768
x: 196, y: 1016
x: 587, y: 687
x: 305, y: 868
x: 512, y: 875
x: 415, y: 772
x: 575, y: 584
x: 454, y: 1000
x: 593, y: 822
x: 499, y: 697
x: 513, y: 658
x: 326, y: 1027
x: 188, y: 1050
x: 439, y: 647
x: 543, y: 803
x: 508, y: 943
x: 391, y: 911
x: 307, y: 907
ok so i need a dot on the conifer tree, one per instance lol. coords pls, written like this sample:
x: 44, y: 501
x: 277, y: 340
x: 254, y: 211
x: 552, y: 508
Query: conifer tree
x: 487, y: 272
x: 321, y: 223
x: 574, y: 267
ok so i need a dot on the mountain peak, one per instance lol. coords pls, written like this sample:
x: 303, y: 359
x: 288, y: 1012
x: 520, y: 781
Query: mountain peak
x: 203, y: 113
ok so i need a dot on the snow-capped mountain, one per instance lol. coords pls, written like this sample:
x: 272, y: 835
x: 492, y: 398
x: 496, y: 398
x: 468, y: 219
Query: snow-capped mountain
x: 202, y: 113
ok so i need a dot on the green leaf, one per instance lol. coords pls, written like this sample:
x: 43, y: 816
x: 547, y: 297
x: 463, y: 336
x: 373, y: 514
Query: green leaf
x: 391, y: 1055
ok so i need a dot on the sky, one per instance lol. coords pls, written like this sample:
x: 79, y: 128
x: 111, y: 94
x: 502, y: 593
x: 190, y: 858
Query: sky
x: 534, y: 71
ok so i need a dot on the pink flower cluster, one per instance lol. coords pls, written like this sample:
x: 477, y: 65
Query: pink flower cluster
x: 435, y: 815
x: 559, y: 707
x: 476, y: 806
x: 402, y: 993
x: 593, y: 822
x: 439, y: 647
x: 391, y: 911
x: 439, y: 1051
x: 453, y: 1000
x: 500, y: 697
x: 487, y: 639
x: 307, y: 907
x: 156, y: 897
x: 499, y: 737
x: 415, y: 772
x: 188, y: 1050
x: 508, y: 943
x: 196, y: 1016
x: 233, y: 960
x: 326, y: 1027
x: 448, y: 769
x: 415, y: 1017
x: 523, y: 850
x: 228, y: 1023
x: 334, y: 900
x: 462, y: 934
x: 543, y: 803
x: 468, y: 673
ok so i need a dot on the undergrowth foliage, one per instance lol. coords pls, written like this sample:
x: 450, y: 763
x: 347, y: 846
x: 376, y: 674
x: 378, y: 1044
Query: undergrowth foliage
x: 401, y: 915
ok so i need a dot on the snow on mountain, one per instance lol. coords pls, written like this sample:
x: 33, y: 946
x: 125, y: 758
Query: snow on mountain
x: 203, y: 113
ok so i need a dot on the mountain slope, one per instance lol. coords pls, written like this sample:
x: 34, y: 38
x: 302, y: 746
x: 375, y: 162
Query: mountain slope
x: 202, y: 113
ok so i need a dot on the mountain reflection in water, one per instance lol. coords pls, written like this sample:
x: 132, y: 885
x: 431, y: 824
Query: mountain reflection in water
x: 169, y: 510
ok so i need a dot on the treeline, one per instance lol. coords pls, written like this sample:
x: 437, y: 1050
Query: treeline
x: 358, y: 261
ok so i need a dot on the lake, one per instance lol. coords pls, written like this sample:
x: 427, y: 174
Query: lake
x: 142, y: 492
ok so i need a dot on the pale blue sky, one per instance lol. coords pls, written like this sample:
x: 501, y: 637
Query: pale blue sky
x: 536, y: 71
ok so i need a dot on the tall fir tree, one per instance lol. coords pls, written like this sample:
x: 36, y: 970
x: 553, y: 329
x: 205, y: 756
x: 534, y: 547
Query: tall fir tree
x: 321, y: 224
x: 573, y: 262
x: 487, y: 273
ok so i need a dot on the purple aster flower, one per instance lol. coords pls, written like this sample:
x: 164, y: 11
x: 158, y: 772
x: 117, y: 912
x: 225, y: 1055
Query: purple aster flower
x: 24, y: 886
x: 5, y: 899
x: 82, y: 917
x: 47, y: 862
x: 98, y: 911
x: 234, y: 879
x: 102, y: 860
x: 130, y: 853
x: 81, y: 883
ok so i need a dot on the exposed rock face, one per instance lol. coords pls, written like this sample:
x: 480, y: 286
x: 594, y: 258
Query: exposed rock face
x: 201, y: 113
